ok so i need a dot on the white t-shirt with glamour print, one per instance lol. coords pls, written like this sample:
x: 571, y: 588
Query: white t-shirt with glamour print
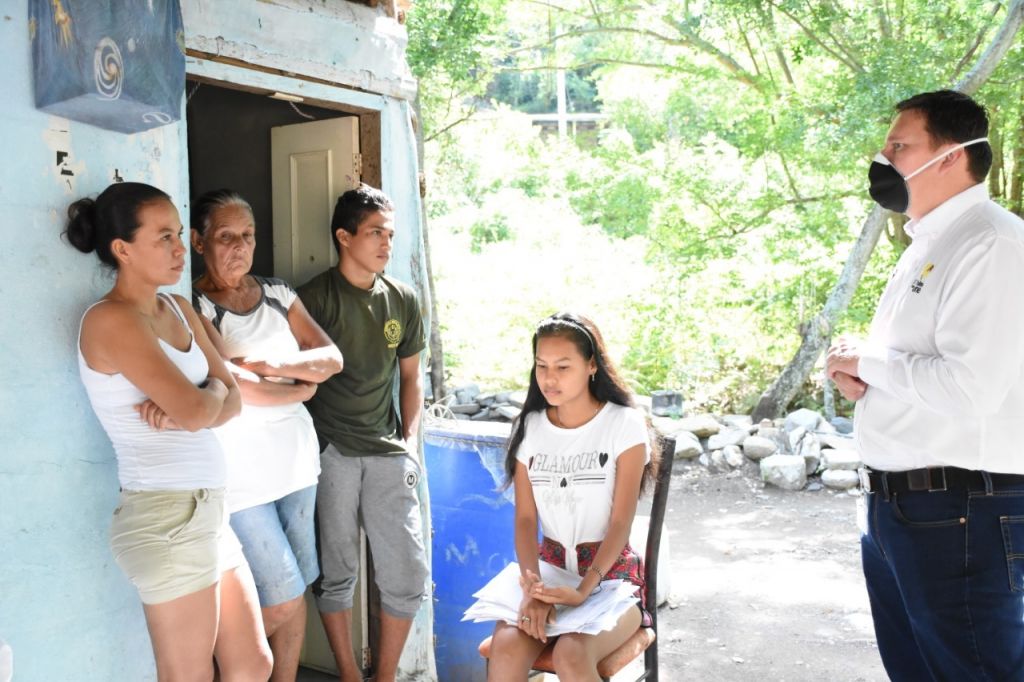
x: 572, y: 472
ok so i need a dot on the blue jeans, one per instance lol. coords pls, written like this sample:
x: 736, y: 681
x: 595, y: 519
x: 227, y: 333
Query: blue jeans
x: 945, y: 577
x: 279, y: 542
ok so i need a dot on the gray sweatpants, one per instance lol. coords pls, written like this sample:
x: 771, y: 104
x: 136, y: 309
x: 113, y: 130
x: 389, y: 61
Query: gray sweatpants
x: 379, y: 492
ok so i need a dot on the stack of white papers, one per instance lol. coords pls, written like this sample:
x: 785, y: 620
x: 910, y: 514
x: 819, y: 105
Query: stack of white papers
x: 500, y: 600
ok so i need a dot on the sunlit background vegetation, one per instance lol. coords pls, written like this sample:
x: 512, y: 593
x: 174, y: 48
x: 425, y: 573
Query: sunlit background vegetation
x: 706, y: 214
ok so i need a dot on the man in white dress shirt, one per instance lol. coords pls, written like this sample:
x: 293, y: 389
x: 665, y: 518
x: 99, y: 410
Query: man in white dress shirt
x: 940, y: 412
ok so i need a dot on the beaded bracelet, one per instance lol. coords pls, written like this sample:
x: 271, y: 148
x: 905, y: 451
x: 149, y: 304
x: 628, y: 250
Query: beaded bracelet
x: 597, y: 570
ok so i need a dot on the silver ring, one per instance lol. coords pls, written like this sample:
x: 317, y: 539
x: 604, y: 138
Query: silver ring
x: 525, y: 619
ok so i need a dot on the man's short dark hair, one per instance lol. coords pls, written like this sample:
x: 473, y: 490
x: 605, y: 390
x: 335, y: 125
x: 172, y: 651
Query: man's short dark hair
x: 354, y: 206
x: 951, y: 116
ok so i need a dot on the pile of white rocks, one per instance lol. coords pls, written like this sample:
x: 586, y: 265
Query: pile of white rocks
x: 788, y: 453
x: 469, y: 403
x: 804, y: 450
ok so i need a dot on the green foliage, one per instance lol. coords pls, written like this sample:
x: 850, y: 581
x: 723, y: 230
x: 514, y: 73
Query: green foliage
x: 723, y: 192
x: 450, y: 37
x: 452, y: 50
x: 534, y: 92
x: 612, y: 192
x: 488, y: 232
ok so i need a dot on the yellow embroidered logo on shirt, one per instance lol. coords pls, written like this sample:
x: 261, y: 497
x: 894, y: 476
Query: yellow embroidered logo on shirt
x: 392, y: 333
x: 918, y: 283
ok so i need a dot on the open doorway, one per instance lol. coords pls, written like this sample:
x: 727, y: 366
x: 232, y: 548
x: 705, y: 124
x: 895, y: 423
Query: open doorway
x: 229, y: 145
x: 231, y: 133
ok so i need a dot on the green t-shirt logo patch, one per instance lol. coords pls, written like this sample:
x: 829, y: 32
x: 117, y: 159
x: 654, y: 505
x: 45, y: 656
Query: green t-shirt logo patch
x: 392, y: 333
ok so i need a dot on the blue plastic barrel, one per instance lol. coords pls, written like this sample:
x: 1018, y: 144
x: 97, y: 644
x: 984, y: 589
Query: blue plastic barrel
x: 472, y: 541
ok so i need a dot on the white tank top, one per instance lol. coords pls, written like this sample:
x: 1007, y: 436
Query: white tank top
x: 148, y: 459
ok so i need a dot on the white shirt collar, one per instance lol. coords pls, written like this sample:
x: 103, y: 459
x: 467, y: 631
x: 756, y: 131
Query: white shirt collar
x: 948, y: 211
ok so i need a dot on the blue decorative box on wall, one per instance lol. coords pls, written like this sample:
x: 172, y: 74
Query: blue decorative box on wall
x: 115, y: 64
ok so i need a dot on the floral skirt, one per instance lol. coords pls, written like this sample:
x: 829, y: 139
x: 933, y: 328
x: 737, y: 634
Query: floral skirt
x: 627, y: 567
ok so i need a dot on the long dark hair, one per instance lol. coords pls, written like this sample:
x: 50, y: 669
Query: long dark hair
x: 607, y: 385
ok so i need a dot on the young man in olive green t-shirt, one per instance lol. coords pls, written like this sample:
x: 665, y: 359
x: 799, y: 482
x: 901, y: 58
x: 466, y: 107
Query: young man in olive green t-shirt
x: 368, y: 472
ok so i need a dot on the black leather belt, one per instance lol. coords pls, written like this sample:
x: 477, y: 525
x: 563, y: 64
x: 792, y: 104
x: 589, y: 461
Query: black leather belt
x: 931, y: 479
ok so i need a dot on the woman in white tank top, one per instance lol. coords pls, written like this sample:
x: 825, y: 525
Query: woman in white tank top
x: 157, y: 386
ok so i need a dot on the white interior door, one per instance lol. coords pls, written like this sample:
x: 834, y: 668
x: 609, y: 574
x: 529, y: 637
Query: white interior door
x: 311, y: 165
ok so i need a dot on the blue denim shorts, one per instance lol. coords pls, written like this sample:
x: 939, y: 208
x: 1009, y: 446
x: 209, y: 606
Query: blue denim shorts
x: 279, y: 543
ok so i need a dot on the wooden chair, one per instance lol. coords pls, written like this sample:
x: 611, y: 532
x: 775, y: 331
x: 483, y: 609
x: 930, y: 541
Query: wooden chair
x: 644, y: 640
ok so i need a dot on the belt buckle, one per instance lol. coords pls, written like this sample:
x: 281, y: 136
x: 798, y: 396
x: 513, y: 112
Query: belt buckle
x: 865, y: 479
x: 942, y: 471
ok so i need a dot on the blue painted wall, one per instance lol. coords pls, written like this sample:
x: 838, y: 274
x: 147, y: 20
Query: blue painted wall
x: 65, y: 608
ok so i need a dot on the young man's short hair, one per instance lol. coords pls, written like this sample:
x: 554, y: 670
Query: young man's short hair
x: 352, y: 208
x: 951, y: 116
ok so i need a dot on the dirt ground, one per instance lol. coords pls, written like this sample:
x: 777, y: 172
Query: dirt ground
x: 766, y: 584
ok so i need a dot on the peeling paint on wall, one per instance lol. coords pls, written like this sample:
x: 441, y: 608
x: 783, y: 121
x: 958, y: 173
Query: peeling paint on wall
x: 357, y: 46
x: 66, y: 166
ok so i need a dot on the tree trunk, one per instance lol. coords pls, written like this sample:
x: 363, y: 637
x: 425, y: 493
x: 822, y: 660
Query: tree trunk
x: 1001, y: 43
x: 995, y: 141
x: 897, y: 233
x: 1016, y: 180
x: 828, y: 396
x: 813, y: 339
x: 818, y: 329
x: 434, y: 344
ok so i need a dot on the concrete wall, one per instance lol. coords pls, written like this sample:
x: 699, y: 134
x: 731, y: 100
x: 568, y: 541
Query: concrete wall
x: 65, y: 608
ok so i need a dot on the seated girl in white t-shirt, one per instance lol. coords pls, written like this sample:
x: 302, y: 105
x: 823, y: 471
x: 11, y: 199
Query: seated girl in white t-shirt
x: 578, y: 458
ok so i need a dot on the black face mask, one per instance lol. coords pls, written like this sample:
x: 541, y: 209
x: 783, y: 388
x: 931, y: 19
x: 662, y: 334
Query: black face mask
x: 890, y: 189
x: 887, y: 187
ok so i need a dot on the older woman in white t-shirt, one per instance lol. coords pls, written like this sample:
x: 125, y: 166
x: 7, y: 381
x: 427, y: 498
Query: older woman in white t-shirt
x: 578, y: 458
x: 280, y: 355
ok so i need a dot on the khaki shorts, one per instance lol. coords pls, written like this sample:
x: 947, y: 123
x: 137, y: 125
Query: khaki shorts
x: 171, y: 543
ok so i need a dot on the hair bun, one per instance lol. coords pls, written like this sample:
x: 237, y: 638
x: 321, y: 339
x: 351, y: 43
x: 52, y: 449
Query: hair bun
x: 81, y: 227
